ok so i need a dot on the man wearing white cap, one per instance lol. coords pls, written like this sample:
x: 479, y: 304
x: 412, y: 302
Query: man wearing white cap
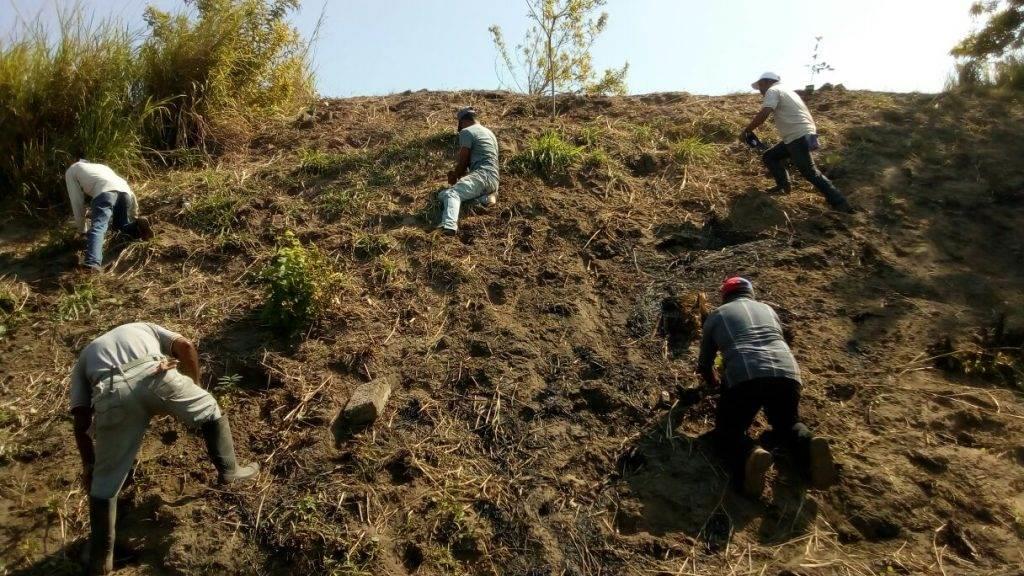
x: 799, y: 139
x: 475, y: 177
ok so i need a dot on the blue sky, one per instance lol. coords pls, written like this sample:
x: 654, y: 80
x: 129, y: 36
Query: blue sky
x: 370, y: 47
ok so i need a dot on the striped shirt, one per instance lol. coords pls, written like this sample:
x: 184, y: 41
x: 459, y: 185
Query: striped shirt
x: 748, y: 333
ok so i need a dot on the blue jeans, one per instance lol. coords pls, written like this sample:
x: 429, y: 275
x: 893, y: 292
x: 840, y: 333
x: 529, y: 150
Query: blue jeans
x: 473, y: 186
x: 106, y: 206
x: 799, y: 153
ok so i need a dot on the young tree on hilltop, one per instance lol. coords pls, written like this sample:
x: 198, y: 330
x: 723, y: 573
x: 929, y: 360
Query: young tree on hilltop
x: 554, y: 56
x: 1000, y: 39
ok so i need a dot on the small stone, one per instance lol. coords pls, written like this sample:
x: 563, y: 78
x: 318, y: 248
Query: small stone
x: 666, y: 398
x: 363, y: 408
x: 367, y: 402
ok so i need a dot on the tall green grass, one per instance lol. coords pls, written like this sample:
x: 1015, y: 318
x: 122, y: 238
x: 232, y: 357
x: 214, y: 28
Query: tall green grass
x: 197, y: 80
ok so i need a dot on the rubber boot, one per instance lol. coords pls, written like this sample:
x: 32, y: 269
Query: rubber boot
x: 217, y: 434
x: 102, y: 515
x: 822, y: 466
x: 754, y: 472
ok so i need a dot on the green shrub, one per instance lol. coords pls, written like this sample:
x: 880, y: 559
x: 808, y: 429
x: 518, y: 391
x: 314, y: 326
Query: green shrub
x: 693, y: 151
x: 548, y: 155
x: 223, y: 67
x: 299, y: 285
x: 60, y: 94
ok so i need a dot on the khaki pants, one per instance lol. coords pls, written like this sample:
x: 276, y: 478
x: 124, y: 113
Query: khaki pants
x: 124, y: 400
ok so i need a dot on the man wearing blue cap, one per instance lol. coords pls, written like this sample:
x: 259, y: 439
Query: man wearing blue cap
x: 759, y: 372
x: 799, y: 139
x: 475, y: 177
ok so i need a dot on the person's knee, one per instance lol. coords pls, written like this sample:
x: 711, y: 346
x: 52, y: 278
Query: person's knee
x: 447, y: 194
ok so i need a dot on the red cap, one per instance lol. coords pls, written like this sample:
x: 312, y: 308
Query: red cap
x: 735, y: 284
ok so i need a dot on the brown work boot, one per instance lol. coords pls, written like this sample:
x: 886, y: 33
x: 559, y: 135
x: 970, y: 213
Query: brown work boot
x: 145, y: 228
x: 823, y: 467
x: 754, y: 472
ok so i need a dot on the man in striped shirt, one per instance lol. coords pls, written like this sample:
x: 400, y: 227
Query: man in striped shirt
x: 759, y: 372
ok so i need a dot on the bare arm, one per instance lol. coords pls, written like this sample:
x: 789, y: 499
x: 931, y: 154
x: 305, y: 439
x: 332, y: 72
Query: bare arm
x: 77, y: 199
x: 758, y: 120
x: 706, y: 359
x: 185, y: 352
x: 82, y: 420
x: 461, y: 166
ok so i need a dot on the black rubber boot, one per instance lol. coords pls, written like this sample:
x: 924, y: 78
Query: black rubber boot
x: 217, y: 434
x: 102, y: 515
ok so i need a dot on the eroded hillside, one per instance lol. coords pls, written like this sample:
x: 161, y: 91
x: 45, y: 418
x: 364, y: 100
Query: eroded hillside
x: 530, y: 432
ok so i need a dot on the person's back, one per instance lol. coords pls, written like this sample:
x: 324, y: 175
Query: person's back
x: 792, y: 118
x: 483, y: 147
x: 749, y: 336
x: 95, y: 178
x: 124, y: 344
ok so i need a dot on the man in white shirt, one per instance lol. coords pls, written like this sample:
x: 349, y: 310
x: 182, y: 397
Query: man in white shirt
x: 121, y: 380
x: 111, y: 202
x: 799, y: 139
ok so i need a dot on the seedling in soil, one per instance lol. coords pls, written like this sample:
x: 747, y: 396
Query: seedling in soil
x: 81, y: 301
x: 299, y: 284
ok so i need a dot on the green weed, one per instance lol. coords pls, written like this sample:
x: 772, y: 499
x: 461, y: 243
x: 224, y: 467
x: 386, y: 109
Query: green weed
x: 385, y: 271
x: 693, y: 151
x: 590, y: 136
x: 299, y: 284
x: 646, y: 136
x: 717, y: 127
x: 81, y: 301
x: 596, y: 160
x: 548, y: 155
x: 369, y: 246
x: 319, y: 163
x: 337, y: 202
x: 215, y: 213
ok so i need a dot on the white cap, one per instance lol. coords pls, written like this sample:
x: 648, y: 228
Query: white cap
x: 767, y: 76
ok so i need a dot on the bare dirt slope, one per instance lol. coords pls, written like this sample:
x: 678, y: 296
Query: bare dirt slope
x: 528, y: 434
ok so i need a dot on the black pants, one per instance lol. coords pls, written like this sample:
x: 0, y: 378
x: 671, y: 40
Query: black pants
x: 739, y: 405
x: 799, y: 153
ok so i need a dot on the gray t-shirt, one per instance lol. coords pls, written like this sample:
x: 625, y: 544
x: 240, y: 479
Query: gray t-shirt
x: 749, y: 335
x: 120, y: 346
x: 483, y: 148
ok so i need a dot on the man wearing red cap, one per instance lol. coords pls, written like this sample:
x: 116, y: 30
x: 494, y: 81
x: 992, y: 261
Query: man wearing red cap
x: 759, y: 372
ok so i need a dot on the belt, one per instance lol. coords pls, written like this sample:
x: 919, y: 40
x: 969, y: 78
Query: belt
x: 126, y: 367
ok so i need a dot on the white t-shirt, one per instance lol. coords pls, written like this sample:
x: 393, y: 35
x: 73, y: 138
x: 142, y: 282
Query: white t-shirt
x: 87, y: 179
x: 792, y: 117
x: 120, y: 346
